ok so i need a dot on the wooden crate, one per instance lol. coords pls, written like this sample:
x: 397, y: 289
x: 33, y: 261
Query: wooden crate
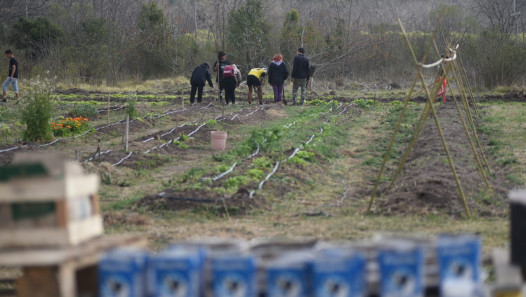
x: 46, y: 200
x: 63, y: 271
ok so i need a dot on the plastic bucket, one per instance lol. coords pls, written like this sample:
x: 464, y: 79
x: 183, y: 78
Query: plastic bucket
x: 218, y: 140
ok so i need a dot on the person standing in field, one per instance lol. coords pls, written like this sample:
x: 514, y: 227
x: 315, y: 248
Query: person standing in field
x: 12, y: 76
x: 219, y: 66
x: 254, y: 80
x: 230, y: 83
x: 198, y: 80
x: 277, y: 74
x: 300, y: 74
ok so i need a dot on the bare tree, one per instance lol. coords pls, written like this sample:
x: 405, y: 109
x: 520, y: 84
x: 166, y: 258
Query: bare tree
x: 10, y: 10
x: 498, y: 13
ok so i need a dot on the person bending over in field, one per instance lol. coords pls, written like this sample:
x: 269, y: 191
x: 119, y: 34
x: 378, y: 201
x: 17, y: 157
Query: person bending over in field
x: 254, y: 80
x: 12, y: 76
x: 198, y: 80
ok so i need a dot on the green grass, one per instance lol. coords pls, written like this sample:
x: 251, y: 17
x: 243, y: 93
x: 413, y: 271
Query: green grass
x: 501, y: 124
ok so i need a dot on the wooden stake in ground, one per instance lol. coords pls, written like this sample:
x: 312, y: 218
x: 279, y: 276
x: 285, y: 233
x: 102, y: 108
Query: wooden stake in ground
x: 108, y: 109
x: 97, y: 152
x: 126, y: 133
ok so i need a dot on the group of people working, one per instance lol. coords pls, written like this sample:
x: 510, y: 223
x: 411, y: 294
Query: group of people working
x: 229, y: 78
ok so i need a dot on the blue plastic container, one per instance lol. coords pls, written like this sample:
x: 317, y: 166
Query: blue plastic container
x: 459, y: 264
x: 122, y: 273
x: 339, y: 274
x: 234, y: 275
x: 177, y: 273
x: 401, y: 271
x: 289, y: 275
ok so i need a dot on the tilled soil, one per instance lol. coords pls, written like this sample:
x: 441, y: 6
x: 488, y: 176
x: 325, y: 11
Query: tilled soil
x: 240, y: 202
x: 237, y: 204
x: 427, y: 185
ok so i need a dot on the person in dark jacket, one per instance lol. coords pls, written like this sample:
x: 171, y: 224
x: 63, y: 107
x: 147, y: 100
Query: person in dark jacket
x: 230, y: 83
x: 199, y: 78
x: 300, y: 74
x: 277, y: 74
x: 219, y: 66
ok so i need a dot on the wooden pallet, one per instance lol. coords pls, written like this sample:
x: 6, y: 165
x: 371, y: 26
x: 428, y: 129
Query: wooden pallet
x: 65, y: 271
x: 6, y: 285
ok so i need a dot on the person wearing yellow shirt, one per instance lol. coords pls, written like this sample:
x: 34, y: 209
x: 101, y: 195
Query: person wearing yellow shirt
x: 254, y: 80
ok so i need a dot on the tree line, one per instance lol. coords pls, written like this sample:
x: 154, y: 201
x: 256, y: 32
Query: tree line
x: 108, y: 41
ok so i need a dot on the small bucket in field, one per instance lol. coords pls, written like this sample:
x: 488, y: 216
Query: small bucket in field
x: 218, y: 140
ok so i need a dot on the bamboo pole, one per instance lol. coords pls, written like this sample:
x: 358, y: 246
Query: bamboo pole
x: 397, y: 128
x: 474, y: 129
x: 416, y: 133
x: 463, y: 97
x: 475, y: 153
x: 430, y: 99
x: 126, y: 133
x: 108, y: 109
x: 470, y: 88
x: 390, y: 146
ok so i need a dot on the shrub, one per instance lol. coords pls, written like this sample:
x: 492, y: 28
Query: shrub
x: 297, y: 160
x: 365, y: 103
x: 256, y: 173
x: 211, y: 123
x: 131, y: 110
x: 84, y: 111
x: 315, y: 102
x: 268, y: 139
x: 262, y: 162
x: 37, y: 110
x: 235, y: 182
x: 307, y: 156
x: 221, y: 168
